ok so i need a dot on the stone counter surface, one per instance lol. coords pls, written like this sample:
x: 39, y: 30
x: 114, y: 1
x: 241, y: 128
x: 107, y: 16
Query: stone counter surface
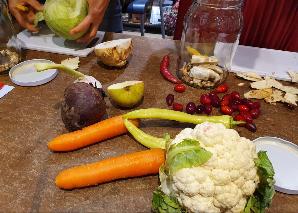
x: 30, y: 117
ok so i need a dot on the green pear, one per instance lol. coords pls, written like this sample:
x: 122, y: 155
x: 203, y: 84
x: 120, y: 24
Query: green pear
x: 126, y: 94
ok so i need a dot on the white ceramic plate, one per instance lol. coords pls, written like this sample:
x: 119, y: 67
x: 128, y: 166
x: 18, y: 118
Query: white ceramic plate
x: 284, y: 158
x: 25, y: 74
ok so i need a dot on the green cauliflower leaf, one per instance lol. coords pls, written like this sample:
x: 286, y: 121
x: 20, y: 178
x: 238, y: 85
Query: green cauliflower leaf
x: 162, y: 203
x: 186, y: 154
x: 263, y: 195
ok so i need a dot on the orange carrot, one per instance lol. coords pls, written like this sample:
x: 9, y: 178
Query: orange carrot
x: 129, y: 165
x: 89, y: 135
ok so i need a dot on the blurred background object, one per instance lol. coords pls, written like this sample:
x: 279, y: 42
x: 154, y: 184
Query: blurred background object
x: 10, y: 47
x: 267, y: 24
x: 152, y: 16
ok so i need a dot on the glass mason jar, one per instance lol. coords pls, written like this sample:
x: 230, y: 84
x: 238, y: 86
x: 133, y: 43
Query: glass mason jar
x: 10, y: 46
x: 209, y: 41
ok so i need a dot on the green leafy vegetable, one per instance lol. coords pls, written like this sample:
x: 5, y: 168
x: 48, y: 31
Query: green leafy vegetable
x: 253, y: 206
x: 63, y: 15
x: 162, y: 203
x: 186, y: 154
x: 265, y: 168
x: 263, y: 195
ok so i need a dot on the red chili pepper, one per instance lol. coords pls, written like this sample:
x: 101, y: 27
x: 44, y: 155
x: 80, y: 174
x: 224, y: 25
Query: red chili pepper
x: 179, y: 88
x: 164, y: 70
x: 222, y: 88
x: 1, y: 85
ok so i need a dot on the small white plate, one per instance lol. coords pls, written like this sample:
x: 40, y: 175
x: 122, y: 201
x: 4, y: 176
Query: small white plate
x: 25, y: 74
x: 284, y: 158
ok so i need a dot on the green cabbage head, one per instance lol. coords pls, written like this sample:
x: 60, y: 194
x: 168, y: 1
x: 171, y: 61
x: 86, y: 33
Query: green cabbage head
x: 63, y: 15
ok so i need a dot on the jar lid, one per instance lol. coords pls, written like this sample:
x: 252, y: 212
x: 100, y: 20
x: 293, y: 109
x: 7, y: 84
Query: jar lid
x: 284, y: 157
x: 25, y: 74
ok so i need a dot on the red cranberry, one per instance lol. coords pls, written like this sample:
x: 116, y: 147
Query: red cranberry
x: 200, y: 109
x: 205, y: 99
x: 177, y: 107
x: 215, y: 101
x: 251, y: 127
x: 179, y: 88
x: 254, y: 113
x: 236, y: 102
x: 225, y: 101
x: 244, y: 101
x: 235, y: 95
x: 256, y: 105
x: 191, y: 108
x: 208, y: 109
x: 226, y: 110
x: 222, y: 88
x: 170, y: 99
x: 234, y: 107
x: 250, y: 104
x: 239, y: 117
x: 247, y: 117
x: 243, y: 108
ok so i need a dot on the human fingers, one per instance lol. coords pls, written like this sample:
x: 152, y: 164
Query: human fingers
x: 82, y: 27
x: 35, y: 4
x: 89, y: 35
x: 28, y: 20
x: 31, y: 27
x: 30, y: 16
x: 20, y: 19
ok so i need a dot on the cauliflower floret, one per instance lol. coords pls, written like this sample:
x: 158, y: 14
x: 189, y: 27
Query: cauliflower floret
x: 185, y: 133
x: 226, y: 180
x: 199, y: 203
x: 194, y: 181
x: 239, y: 207
x: 228, y: 195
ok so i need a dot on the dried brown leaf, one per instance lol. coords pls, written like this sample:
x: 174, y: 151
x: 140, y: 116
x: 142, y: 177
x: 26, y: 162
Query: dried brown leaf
x: 276, y: 96
x: 294, y: 76
x: 250, y: 76
x: 290, y: 98
x: 259, y: 94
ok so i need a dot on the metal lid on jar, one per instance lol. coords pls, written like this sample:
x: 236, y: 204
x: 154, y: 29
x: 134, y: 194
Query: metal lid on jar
x: 25, y: 74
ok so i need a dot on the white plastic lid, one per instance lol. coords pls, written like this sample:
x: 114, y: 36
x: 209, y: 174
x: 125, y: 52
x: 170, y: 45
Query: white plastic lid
x: 284, y: 158
x: 25, y: 74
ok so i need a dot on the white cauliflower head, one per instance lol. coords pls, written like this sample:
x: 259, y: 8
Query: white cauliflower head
x: 225, y: 181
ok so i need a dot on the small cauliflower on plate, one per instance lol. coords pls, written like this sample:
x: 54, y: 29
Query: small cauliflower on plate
x: 211, y: 169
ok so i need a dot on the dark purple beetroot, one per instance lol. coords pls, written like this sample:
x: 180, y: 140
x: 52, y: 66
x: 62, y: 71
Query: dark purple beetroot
x: 83, y: 105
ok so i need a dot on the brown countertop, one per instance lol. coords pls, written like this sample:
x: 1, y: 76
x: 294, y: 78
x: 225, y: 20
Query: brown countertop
x: 30, y: 117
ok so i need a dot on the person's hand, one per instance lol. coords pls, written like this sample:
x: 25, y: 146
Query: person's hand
x: 92, y: 21
x: 25, y: 18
